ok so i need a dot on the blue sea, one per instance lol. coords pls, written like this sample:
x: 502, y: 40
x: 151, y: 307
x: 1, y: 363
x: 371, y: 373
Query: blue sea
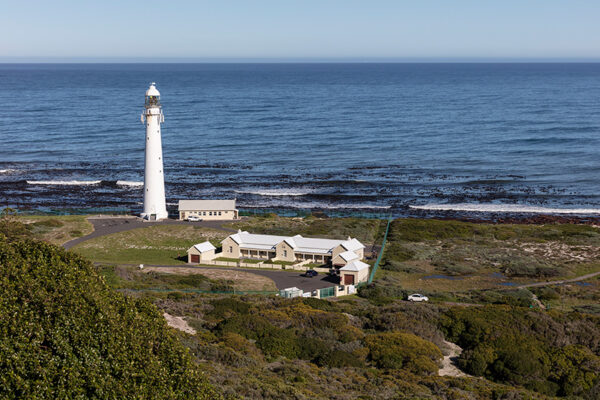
x: 400, y: 139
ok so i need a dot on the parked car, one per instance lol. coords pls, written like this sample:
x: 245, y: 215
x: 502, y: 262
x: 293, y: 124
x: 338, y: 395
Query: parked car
x: 417, y: 297
x: 310, y: 273
x: 194, y: 218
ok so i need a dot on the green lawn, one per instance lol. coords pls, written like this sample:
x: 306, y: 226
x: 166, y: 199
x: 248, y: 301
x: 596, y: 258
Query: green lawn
x: 161, y: 244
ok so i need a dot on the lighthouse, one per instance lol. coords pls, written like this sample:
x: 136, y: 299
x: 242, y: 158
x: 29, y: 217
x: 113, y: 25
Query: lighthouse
x: 154, y: 181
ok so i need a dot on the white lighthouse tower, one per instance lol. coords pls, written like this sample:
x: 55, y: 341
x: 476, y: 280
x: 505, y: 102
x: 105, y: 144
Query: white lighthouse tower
x: 155, y: 207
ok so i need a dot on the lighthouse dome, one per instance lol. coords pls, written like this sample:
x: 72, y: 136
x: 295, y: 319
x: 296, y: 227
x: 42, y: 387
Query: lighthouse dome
x: 152, y: 91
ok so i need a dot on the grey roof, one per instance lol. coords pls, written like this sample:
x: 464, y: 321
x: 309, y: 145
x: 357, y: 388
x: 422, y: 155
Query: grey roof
x: 355, y: 265
x: 208, y: 205
x: 348, y: 255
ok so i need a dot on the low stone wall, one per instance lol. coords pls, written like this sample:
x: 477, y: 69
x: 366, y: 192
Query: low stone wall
x: 221, y: 263
x: 260, y: 265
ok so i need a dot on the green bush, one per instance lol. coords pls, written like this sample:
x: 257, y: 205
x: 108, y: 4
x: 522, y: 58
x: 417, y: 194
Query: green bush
x: 529, y: 349
x: 65, y: 334
x: 398, y: 350
x: 50, y: 223
x: 273, y: 341
x: 228, y: 306
x: 319, y: 304
x: 339, y: 359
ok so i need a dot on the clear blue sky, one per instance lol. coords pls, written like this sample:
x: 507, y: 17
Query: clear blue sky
x: 288, y: 29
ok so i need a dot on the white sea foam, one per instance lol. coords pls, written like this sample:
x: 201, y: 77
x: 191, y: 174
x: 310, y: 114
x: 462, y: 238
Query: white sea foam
x: 7, y: 171
x: 130, y: 183
x: 64, y: 183
x: 508, y: 208
x: 275, y: 192
x: 318, y: 205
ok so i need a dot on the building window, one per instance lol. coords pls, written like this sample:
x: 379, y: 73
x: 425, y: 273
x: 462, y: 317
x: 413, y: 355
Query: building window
x: 204, y: 213
x: 230, y: 249
x: 285, y: 253
x: 210, y: 213
x: 219, y: 212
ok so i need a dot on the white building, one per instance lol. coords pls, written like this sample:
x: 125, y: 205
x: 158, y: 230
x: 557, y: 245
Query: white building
x: 290, y: 248
x: 201, y: 252
x: 354, y: 272
x: 155, y: 207
x: 208, y: 209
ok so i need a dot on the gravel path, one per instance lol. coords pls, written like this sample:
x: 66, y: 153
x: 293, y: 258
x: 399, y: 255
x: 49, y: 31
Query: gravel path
x: 448, y: 363
x: 579, y: 278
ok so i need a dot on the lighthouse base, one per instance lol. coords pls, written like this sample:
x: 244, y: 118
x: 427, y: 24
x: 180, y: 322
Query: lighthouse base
x: 154, y: 216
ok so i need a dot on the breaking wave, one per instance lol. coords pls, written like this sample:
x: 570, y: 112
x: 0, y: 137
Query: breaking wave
x: 7, y: 171
x: 64, y: 183
x: 283, y: 192
x: 504, y: 208
x: 130, y: 183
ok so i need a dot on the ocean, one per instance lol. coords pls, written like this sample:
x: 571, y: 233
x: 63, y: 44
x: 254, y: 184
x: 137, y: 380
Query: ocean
x: 389, y: 139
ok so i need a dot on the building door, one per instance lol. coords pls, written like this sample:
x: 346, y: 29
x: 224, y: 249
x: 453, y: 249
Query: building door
x: 348, y: 279
x: 195, y: 258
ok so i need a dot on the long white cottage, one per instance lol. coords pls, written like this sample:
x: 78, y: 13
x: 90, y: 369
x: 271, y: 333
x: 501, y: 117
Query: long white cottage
x: 338, y: 252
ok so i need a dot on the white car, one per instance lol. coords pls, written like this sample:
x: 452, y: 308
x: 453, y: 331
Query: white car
x: 193, y: 218
x: 417, y: 297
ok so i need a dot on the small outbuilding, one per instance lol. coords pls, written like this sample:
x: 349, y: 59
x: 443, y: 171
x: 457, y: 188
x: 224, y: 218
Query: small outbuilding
x: 208, y: 209
x: 201, y: 252
x: 354, y: 273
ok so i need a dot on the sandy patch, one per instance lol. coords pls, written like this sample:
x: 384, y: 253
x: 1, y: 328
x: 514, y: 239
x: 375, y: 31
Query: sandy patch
x: 448, y: 366
x: 179, y: 323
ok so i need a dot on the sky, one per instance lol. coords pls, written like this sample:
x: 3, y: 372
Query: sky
x: 222, y: 30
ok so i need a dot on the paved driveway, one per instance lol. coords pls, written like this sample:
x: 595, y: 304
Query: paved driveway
x: 108, y: 225
x: 283, y: 279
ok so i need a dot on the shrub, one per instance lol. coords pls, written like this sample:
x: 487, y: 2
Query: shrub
x: 397, y: 350
x: 319, y: 304
x: 228, y: 306
x: 381, y: 294
x: 51, y: 223
x: 65, y: 334
x: 273, y: 341
x: 339, y: 359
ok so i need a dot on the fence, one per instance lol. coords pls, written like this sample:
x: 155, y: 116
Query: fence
x: 376, y: 265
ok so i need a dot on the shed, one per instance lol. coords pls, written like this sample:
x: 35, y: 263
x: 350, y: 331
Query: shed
x: 204, y: 251
x: 354, y: 273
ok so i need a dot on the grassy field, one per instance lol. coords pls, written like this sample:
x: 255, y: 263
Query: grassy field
x: 57, y: 229
x: 449, y: 256
x: 368, y: 231
x: 161, y: 244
